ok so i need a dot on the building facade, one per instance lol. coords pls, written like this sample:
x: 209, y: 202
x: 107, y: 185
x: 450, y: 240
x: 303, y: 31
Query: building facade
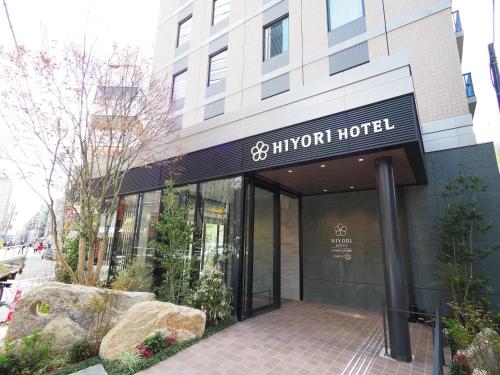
x: 316, y: 138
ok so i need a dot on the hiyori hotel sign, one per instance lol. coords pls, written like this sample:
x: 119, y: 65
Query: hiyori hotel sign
x: 261, y: 150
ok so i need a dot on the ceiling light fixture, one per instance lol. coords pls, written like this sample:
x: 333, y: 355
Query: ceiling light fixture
x: 290, y: 171
x: 361, y: 159
x: 322, y: 166
x: 351, y: 187
x: 325, y: 190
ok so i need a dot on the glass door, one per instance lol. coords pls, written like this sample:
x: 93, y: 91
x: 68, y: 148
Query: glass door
x: 261, y: 283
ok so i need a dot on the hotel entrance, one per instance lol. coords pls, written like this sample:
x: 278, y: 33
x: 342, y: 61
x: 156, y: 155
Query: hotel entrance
x: 271, y: 248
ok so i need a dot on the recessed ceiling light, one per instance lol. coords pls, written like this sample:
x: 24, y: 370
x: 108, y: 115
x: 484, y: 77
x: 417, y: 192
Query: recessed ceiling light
x: 361, y: 159
x: 325, y: 190
x: 322, y: 166
x: 290, y: 171
x: 351, y: 187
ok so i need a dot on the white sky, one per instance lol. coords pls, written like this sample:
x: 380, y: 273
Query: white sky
x: 132, y: 22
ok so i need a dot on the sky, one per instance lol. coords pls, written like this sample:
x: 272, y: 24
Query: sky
x: 42, y: 23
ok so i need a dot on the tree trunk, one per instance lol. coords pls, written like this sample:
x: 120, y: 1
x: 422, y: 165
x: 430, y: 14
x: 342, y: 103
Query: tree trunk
x: 81, y: 259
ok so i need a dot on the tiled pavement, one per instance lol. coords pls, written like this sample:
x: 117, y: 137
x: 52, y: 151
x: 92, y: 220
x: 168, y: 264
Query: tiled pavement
x: 301, y: 338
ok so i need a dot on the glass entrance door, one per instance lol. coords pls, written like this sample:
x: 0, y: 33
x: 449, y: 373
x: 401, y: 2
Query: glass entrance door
x: 261, y: 282
x: 264, y: 249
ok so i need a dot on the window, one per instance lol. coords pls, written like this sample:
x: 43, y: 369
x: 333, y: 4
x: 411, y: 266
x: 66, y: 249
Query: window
x: 341, y: 12
x: 221, y: 10
x: 184, y: 32
x: 276, y: 38
x: 217, y: 67
x: 179, y: 85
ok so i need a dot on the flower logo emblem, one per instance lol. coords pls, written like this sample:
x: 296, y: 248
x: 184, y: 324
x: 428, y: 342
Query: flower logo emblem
x: 259, y: 151
x: 340, y: 230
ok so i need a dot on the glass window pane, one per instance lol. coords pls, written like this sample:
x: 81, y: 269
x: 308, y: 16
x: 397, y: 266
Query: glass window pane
x: 263, y: 249
x: 341, y: 12
x: 221, y: 225
x: 184, y: 32
x: 126, y: 217
x: 180, y: 81
x: 146, y: 231
x: 276, y: 39
x: 222, y: 8
x: 111, y: 223
x: 218, y: 67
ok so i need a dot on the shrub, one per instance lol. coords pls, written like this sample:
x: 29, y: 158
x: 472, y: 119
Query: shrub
x: 79, y: 351
x: 101, y: 309
x: 458, y: 335
x: 211, y: 296
x: 155, y: 343
x: 136, y: 277
x: 128, y: 360
x: 70, y: 253
x: 171, y: 340
x: 36, y: 352
x: 144, y: 351
x: 8, y: 361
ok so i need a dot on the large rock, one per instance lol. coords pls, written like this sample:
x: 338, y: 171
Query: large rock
x: 67, y: 301
x: 146, y: 318
x: 65, y: 332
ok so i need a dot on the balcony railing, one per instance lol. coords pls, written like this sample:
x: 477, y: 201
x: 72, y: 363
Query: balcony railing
x: 456, y: 21
x: 469, y: 87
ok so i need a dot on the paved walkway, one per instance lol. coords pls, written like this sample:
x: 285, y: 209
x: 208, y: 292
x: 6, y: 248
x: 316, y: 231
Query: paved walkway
x: 301, y: 338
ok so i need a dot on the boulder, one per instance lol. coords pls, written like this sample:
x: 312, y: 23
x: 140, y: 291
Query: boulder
x: 144, y: 319
x: 65, y: 332
x: 67, y: 301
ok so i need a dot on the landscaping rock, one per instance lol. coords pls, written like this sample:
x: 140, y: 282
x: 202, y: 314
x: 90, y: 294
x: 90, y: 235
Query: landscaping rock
x: 144, y: 319
x: 66, y: 301
x: 65, y: 331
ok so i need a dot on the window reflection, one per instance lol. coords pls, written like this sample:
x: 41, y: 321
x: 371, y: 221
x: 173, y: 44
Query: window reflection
x: 150, y: 210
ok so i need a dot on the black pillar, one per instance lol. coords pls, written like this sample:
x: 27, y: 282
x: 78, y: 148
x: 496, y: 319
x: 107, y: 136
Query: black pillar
x: 399, y: 332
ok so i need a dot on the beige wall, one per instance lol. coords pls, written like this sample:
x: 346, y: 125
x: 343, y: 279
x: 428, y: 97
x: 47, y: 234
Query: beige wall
x: 422, y: 29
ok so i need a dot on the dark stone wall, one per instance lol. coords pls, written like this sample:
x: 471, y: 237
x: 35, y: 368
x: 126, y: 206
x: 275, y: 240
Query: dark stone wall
x: 425, y: 205
x: 359, y: 282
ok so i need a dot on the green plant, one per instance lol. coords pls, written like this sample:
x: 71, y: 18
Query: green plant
x: 175, y: 237
x: 458, y: 335
x: 155, y: 342
x: 211, y: 296
x: 79, y: 351
x: 135, y: 277
x: 42, y: 307
x: 101, y: 308
x: 70, y: 253
x: 129, y: 360
x: 36, y: 351
x: 459, y: 228
x: 8, y: 361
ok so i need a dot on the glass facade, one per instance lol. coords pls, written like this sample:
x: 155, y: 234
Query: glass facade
x: 215, y: 209
x: 149, y: 212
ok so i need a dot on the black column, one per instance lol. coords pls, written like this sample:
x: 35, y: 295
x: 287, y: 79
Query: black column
x: 399, y: 332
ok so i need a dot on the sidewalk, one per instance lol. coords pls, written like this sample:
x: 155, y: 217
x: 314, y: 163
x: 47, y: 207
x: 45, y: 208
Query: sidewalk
x: 36, y: 271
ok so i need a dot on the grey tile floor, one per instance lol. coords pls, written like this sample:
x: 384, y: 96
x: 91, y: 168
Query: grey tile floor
x: 301, y: 338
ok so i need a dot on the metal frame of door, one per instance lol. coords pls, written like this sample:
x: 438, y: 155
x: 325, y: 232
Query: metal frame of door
x: 247, y: 272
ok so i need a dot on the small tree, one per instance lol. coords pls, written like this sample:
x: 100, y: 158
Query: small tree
x: 175, y: 239
x: 87, y: 120
x: 460, y: 225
